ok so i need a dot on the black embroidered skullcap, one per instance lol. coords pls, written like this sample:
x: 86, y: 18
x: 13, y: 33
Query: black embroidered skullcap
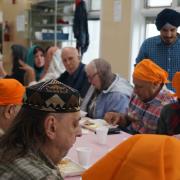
x: 167, y: 16
x: 52, y: 96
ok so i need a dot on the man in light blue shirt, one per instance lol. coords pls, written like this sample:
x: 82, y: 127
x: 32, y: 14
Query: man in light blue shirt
x: 164, y: 49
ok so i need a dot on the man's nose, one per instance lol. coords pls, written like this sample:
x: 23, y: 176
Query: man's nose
x: 79, y: 132
x: 168, y: 34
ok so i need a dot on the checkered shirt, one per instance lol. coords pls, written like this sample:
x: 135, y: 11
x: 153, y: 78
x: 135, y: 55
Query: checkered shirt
x: 147, y: 114
x: 30, y: 167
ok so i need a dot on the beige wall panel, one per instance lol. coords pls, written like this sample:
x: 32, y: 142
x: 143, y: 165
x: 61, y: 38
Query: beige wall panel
x: 115, y: 36
x: 10, y: 12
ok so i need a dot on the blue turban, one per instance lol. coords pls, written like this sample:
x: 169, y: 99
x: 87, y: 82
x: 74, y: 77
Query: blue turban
x: 167, y: 16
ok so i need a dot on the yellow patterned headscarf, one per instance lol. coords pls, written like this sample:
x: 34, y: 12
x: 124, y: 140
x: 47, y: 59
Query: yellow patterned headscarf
x: 147, y: 70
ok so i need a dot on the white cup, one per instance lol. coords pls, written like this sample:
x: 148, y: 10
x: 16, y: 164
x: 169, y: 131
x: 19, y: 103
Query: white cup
x: 84, y: 155
x: 101, y: 134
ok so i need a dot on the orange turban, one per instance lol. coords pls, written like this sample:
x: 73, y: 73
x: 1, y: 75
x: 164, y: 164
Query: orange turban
x: 11, y: 92
x: 176, y: 84
x: 140, y: 157
x: 147, y: 70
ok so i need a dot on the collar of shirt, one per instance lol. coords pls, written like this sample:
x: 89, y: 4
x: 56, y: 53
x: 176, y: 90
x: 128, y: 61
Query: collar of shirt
x: 76, y: 73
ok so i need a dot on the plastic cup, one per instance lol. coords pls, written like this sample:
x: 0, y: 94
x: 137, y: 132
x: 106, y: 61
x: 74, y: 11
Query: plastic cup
x: 101, y: 134
x: 84, y: 155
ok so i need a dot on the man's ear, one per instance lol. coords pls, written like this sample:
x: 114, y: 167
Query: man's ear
x: 9, y: 111
x: 50, y: 126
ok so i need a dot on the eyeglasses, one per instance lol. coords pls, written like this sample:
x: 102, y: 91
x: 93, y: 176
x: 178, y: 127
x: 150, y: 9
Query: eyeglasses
x: 92, y: 77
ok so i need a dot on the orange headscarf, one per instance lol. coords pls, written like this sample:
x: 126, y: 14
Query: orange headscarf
x: 140, y: 157
x: 147, y: 70
x: 176, y: 84
x: 11, y: 92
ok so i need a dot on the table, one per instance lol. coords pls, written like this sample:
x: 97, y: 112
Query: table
x: 98, y: 150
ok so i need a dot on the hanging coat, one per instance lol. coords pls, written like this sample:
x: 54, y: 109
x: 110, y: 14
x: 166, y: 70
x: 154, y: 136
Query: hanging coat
x: 80, y: 27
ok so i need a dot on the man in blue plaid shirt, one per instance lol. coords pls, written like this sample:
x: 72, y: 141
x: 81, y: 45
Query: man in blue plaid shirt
x: 164, y: 49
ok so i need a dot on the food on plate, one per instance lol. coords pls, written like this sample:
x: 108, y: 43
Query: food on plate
x: 69, y: 168
x: 91, y: 124
x: 64, y: 162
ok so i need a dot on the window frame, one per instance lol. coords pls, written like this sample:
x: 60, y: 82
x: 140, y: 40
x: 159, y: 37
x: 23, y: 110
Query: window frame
x: 148, y: 6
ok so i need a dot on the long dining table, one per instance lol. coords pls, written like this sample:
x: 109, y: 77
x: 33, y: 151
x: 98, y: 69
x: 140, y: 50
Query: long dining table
x: 89, y: 139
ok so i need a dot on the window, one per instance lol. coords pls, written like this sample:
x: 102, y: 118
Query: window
x: 95, y: 5
x: 158, y: 3
x: 94, y: 8
x: 94, y: 39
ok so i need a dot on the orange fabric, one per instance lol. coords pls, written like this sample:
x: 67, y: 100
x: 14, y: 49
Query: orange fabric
x: 176, y: 84
x: 141, y: 157
x: 147, y: 70
x: 11, y: 92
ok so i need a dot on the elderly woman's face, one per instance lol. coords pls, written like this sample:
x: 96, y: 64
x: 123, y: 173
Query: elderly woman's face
x: 145, y: 90
x: 93, y: 77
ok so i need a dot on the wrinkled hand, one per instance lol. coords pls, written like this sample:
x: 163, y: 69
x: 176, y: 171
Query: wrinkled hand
x: 113, y: 118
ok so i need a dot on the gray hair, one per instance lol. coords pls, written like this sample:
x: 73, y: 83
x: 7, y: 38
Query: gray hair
x: 103, y: 68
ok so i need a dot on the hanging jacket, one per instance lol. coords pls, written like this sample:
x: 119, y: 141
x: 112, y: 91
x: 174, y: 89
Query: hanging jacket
x: 80, y: 27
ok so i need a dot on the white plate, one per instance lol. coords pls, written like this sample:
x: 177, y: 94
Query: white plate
x: 93, y: 124
x: 70, y: 168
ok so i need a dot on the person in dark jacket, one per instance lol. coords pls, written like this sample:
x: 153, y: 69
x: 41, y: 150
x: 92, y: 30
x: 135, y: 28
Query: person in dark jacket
x: 169, y: 122
x: 18, y: 52
x: 75, y: 75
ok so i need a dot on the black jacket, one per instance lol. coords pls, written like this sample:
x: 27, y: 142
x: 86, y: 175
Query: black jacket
x: 80, y: 27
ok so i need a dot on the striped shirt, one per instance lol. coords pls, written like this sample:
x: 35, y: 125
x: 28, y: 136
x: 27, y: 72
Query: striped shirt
x: 147, y: 114
x: 167, y: 57
x: 31, y: 167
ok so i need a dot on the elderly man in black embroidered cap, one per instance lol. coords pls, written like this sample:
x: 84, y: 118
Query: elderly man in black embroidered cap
x: 164, y: 49
x: 44, y: 130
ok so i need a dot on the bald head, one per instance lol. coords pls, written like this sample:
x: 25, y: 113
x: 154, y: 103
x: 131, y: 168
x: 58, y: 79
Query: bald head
x: 71, y: 59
